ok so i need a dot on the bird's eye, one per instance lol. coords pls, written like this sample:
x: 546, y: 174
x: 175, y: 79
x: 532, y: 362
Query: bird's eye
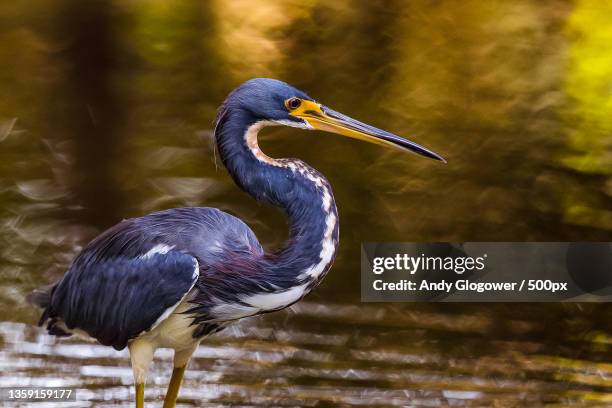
x: 293, y: 103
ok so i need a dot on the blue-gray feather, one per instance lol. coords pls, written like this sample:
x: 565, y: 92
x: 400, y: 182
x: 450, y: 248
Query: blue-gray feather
x: 117, y: 299
x: 114, y: 293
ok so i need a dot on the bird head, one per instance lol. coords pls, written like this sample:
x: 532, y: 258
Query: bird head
x: 278, y: 102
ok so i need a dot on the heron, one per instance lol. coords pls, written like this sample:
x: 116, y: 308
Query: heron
x: 171, y: 278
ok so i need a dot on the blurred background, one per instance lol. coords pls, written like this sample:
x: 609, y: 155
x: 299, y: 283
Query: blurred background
x: 106, y: 112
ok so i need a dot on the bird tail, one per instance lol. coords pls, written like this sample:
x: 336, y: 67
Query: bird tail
x: 41, y: 298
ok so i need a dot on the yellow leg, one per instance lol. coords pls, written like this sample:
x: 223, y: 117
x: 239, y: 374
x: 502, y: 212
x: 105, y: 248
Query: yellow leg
x: 140, y: 395
x: 173, y: 388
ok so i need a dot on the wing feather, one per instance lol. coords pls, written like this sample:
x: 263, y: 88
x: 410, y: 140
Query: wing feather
x: 117, y: 299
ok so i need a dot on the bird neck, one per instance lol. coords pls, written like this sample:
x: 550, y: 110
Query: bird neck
x: 300, y: 190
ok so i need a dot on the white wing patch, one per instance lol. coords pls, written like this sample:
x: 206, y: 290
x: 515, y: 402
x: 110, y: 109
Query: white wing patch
x: 232, y: 311
x: 275, y: 300
x: 158, y: 249
x: 171, y: 309
x: 254, y: 304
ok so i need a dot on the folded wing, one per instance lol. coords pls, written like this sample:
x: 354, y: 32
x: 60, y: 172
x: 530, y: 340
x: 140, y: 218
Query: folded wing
x: 117, y: 299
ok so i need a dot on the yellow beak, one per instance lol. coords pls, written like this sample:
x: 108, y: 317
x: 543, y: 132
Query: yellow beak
x: 322, y: 118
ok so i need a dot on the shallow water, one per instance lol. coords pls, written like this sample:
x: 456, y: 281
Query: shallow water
x: 106, y: 113
x: 319, y: 354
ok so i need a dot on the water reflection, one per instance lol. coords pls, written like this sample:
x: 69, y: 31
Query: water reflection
x: 306, y: 356
x: 107, y: 113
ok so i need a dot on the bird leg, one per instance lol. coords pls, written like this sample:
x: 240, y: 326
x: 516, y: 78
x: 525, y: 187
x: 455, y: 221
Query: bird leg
x: 181, y: 358
x: 141, y: 355
x: 140, y: 395
x: 173, y: 388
